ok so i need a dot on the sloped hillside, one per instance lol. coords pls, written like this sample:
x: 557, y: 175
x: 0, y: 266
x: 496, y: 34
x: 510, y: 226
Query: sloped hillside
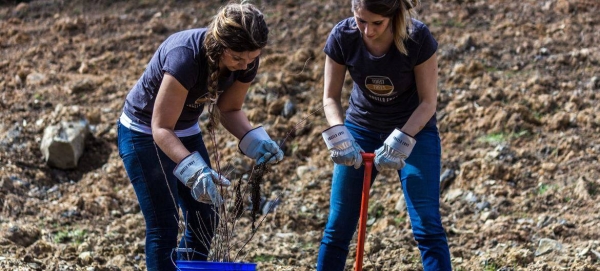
x: 518, y: 115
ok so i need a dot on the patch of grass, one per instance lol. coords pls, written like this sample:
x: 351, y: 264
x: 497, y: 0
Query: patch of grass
x: 399, y: 220
x: 415, y: 259
x: 491, y: 69
x: 376, y: 210
x: 70, y: 236
x: 490, y: 266
x: 501, y: 138
x: 543, y: 188
x: 538, y: 115
x: 263, y: 258
x: 295, y: 147
x: 494, y: 139
x: 306, y: 245
x: 379, y: 213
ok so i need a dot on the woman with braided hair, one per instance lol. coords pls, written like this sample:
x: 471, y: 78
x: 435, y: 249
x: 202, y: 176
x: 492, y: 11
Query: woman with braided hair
x: 391, y: 58
x: 160, y: 141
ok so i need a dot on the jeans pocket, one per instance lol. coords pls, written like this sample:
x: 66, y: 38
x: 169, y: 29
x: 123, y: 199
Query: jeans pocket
x: 121, y: 134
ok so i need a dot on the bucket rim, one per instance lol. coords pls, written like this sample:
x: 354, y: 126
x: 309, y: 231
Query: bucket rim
x: 197, y: 262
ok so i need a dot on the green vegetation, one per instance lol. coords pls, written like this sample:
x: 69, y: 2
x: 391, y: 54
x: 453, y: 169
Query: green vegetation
x: 543, y: 188
x: 500, y: 138
x: 490, y: 266
x: 399, y: 220
x: 307, y: 245
x: 494, y: 139
x: 263, y: 258
x: 70, y: 236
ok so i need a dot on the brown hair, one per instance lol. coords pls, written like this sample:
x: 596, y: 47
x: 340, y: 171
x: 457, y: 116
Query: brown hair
x: 239, y: 27
x: 400, y: 11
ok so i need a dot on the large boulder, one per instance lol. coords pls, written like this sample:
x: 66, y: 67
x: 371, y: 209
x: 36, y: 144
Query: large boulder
x: 63, y: 144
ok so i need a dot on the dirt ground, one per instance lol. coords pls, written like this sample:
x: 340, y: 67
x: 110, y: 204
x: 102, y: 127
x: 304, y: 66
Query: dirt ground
x: 518, y: 115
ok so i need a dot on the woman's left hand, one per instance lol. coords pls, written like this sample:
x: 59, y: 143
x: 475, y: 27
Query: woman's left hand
x: 396, y: 148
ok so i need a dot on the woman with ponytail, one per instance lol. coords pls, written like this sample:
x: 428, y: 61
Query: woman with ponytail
x: 159, y: 138
x: 391, y: 58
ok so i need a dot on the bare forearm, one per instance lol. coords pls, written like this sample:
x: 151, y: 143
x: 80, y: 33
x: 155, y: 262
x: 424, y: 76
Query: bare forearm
x: 236, y: 122
x: 332, y: 92
x: 419, y: 118
x: 426, y: 78
x: 170, y: 144
x: 333, y: 111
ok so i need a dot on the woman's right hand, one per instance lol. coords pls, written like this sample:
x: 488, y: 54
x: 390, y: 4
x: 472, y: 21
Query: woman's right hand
x: 344, y: 149
x: 204, y: 189
x: 201, y: 179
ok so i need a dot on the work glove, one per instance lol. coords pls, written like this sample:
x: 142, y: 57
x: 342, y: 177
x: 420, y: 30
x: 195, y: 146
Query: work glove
x: 257, y: 145
x: 396, y: 148
x: 342, y: 147
x: 201, y: 179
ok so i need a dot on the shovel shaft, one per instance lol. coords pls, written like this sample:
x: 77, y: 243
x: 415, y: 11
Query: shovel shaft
x: 364, y: 207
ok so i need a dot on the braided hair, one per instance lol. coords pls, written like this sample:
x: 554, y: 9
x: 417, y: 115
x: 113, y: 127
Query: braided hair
x: 239, y: 27
x: 400, y: 11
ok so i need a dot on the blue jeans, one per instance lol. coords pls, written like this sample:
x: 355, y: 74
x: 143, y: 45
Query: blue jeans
x: 420, y: 180
x: 161, y: 194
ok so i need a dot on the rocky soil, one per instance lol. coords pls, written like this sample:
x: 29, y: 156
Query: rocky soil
x: 518, y: 114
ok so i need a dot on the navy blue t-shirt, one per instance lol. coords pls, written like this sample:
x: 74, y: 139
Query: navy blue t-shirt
x: 182, y: 56
x: 384, y: 93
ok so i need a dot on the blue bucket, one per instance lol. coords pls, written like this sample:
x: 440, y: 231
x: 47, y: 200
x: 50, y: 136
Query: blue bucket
x: 214, y: 266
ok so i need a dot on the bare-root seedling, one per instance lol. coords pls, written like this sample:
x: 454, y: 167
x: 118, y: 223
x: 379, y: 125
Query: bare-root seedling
x: 226, y: 243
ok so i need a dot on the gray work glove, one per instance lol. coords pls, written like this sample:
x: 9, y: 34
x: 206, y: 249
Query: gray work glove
x: 257, y: 145
x: 396, y: 148
x: 201, y: 179
x: 342, y: 147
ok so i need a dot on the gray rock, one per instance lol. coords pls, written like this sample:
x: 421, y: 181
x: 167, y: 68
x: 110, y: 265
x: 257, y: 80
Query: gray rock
x: 63, y: 144
x: 289, y: 109
x: 546, y: 246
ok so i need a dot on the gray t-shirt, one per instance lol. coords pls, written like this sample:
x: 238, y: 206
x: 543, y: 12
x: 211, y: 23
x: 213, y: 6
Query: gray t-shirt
x: 182, y: 56
x: 384, y: 94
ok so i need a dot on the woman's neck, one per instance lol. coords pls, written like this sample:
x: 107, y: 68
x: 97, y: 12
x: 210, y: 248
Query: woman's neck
x: 380, y: 46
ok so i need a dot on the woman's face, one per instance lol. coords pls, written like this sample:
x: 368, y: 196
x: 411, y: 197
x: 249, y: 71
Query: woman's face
x: 372, y: 26
x: 235, y: 61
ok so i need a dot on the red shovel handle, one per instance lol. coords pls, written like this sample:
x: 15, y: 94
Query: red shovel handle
x: 364, y: 207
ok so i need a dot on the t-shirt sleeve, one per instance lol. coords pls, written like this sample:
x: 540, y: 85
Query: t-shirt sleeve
x: 180, y: 63
x: 333, y: 48
x: 428, y: 44
x: 246, y: 76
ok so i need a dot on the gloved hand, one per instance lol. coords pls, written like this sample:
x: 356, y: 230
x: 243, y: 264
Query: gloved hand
x: 396, y: 148
x: 344, y: 150
x: 201, y: 179
x: 257, y: 145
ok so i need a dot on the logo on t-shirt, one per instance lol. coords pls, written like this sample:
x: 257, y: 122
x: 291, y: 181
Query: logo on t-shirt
x: 206, y: 98
x: 379, y: 85
x: 199, y: 102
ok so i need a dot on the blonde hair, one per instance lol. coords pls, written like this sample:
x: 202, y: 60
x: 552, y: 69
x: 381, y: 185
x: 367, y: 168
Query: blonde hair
x: 400, y: 11
x: 239, y: 27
